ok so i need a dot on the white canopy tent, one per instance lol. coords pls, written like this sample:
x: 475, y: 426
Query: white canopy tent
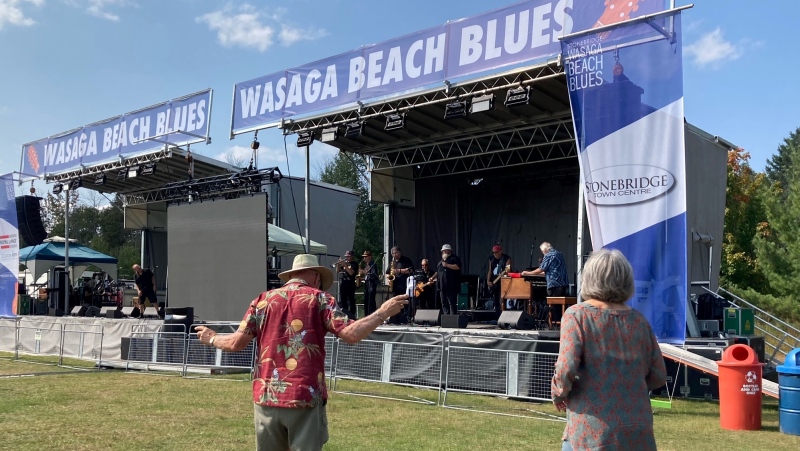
x: 289, y: 243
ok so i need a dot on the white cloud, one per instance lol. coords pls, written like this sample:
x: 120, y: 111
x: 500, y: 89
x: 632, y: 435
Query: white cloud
x: 241, y: 155
x: 11, y: 12
x: 248, y: 26
x: 712, y: 49
x: 100, y: 8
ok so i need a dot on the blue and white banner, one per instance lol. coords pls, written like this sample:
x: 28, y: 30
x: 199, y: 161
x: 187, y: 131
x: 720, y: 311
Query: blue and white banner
x: 126, y: 135
x: 515, y: 34
x: 626, y: 92
x: 9, y: 248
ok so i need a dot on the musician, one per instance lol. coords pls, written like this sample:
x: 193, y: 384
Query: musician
x: 425, y: 281
x: 347, y: 268
x: 448, y: 274
x: 497, y: 264
x: 554, y: 269
x: 370, y: 275
x: 145, y: 281
x: 403, y: 267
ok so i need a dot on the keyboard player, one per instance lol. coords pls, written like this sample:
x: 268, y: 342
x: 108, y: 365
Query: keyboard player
x: 554, y: 269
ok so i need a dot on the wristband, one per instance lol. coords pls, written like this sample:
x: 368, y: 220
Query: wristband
x: 211, y: 342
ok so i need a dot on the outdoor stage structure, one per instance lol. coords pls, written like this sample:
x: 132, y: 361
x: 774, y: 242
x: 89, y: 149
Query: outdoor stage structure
x: 485, y: 130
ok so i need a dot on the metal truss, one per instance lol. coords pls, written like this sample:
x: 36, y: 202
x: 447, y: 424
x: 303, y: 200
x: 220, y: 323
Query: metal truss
x: 209, y: 188
x: 521, y: 145
x: 109, y: 166
x: 451, y: 91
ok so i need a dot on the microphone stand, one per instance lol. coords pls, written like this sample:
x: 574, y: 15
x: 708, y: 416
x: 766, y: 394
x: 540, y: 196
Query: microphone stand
x: 531, y: 263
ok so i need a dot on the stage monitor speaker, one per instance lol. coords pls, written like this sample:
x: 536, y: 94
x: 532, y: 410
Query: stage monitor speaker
x: 92, y: 311
x: 515, y: 319
x: 114, y: 313
x: 104, y: 311
x: 455, y: 321
x: 129, y: 311
x: 79, y: 310
x: 150, y: 312
x: 55, y: 312
x: 29, y: 219
x: 427, y: 317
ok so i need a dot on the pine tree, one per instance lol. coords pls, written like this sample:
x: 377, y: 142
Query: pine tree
x: 780, y: 163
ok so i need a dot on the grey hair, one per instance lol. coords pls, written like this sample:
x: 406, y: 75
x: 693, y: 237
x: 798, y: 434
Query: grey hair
x: 545, y: 247
x: 607, y: 276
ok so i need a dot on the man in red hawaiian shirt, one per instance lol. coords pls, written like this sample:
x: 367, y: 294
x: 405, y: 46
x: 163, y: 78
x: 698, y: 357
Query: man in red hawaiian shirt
x: 289, y: 325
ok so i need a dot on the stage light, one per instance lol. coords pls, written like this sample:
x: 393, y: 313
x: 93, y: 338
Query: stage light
x: 475, y: 182
x: 482, y: 103
x: 100, y: 179
x: 75, y: 184
x: 353, y: 129
x: 122, y: 174
x: 395, y: 121
x: 133, y: 171
x: 305, y: 139
x: 455, y: 109
x: 148, y: 169
x: 329, y: 134
x: 57, y: 188
x: 518, y: 96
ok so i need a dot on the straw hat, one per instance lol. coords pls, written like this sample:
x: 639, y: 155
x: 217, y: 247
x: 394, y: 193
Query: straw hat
x: 308, y: 261
x: 367, y: 254
x: 447, y: 247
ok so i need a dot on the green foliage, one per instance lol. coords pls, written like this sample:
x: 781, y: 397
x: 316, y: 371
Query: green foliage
x: 744, y: 212
x: 780, y: 164
x: 785, y: 308
x: 345, y: 170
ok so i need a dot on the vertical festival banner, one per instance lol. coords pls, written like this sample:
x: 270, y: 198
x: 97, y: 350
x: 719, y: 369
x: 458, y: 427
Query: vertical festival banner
x: 9, y: 248
x: 626, y: 93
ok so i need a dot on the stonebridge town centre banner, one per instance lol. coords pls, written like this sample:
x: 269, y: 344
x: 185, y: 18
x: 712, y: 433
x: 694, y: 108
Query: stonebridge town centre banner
x: 521, y: 33
x: 9, y: 247
x: 626, y: 93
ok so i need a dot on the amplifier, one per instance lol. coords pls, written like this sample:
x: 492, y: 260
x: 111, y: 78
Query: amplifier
x: 709, y: 327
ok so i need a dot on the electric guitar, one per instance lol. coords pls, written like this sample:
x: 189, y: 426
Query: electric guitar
x: 499, y: 276
x: 422, y: 285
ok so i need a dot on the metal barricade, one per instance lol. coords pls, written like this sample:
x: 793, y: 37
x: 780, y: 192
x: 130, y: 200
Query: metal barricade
x: 157, y: 351
x: 8, y: 335
x: 502, y: 367
x: 412, y: 359
x: 204, y: 361
x: 82, y: 341
x: 39, y: 338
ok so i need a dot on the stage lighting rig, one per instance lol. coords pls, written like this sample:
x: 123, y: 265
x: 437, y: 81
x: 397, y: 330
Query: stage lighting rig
x: 148, y: 169
x: 58, y: 188
x: 455, y: 109
x: 75, y: 184
x: 100, y: 179
x: 482, y: 103
x: 395, y: 121
x: 353, y: 129
x: 133, y: 171
x: 122, y: 174
x: 518, y: 96
x: 330, y: 134
x: 305, y: 139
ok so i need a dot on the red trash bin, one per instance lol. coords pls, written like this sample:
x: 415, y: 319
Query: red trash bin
x: 740, y: 389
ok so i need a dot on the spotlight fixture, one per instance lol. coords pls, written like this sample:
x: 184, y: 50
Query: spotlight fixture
x: 329, y: 134
x: 122, y: 174
x: 395, y: 121
x: 133, y: 171
x: 455, y: 109
x: 353, y: 129
x: 100, y: 179
x: 475, y: 182
x: 518, y: 96
x: 148, y: 169
x: 482, y: 103
x: 305, y: 139
x: 57, y: 188
x: 75, y: 184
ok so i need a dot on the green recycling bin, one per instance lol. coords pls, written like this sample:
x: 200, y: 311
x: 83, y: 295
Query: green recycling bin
x: 23, y: 304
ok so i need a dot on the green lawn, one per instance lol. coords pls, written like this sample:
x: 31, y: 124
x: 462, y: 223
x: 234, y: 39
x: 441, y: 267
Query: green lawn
x: 101, y: 410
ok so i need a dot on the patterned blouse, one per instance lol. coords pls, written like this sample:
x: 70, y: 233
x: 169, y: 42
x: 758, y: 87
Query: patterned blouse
x: 290, y: 324
x: 607, y: 362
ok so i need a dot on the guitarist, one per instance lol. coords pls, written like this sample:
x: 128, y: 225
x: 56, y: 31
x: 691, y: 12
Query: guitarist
x: 497, y: 264
x: 426, y: 278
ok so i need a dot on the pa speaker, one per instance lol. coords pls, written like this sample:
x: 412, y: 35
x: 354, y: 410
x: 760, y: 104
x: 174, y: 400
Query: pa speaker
x: 92, y: 312
x: 455, y: 321
x: 426, y: 317
x: 128, y: 311
x: 515, y: 319
x: 55, y: 312
x: 114, y: 313
x: 79, y: 310
x: 29, y: 219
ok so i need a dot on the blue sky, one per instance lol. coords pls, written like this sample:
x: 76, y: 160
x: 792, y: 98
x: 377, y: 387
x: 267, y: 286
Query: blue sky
x: 67, y: 63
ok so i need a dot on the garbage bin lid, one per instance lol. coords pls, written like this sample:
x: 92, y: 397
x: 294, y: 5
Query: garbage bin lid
x: 739, y: 355
x: 792, y: 363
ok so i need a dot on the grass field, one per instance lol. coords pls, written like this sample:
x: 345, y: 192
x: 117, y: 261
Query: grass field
x: 62, y: 408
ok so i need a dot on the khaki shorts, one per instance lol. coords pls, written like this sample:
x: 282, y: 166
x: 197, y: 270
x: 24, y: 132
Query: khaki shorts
x: 297, y: 429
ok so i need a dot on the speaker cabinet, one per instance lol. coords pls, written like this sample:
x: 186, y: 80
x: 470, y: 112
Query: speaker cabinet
x: 79, y: 310
x: 427, y: 317
x: 55, y: 312
x: 455, y: 321
x: 114, y: 313
x: 29, y: 218
x: 515, y: 319
x: 129, y: 311
x: 93, y: 312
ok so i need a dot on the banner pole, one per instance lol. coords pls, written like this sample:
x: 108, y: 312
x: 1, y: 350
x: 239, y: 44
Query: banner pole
x: 308, y: 199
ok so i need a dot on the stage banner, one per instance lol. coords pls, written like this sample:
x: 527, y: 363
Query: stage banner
x: 521, y: 33
x: 9, y: 248
x: 180, y: 121
x: 626, y: 93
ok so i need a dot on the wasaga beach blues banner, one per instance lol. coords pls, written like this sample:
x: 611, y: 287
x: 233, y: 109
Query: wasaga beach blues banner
x: 126, y: 135
x: 626, y: 92
x: 515, y: 34
x: 9, y: 247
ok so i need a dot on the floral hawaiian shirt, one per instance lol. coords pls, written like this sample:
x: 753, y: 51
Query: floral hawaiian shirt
x: 289, y: 324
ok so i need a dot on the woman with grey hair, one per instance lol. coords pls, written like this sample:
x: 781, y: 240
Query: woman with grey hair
x: 608, y: 361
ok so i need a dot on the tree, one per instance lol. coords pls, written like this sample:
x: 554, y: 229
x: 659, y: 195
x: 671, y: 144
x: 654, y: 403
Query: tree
x: 779, y: 164
x: 350, y: 172
x: 777, y: 242
x: 744, y: 213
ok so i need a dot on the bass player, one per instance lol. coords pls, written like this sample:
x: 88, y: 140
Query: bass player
x: 498, y: 262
